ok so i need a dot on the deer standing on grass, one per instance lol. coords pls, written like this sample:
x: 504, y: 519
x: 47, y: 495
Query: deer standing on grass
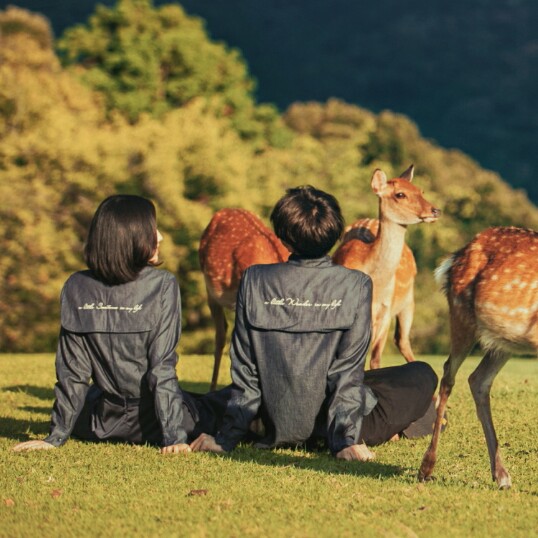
x: 234, y: 240
x: 378, y: 248
x: 492, y: 290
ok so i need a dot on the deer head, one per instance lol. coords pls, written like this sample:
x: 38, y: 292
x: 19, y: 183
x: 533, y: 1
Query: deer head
x: 401, y: 201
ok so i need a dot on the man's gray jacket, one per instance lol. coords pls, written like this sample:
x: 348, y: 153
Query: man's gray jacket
x: 301, y: 335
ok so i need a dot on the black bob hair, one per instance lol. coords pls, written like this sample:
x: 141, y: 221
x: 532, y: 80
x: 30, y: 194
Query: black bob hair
x: 308, y: 220
x: 122, y: 238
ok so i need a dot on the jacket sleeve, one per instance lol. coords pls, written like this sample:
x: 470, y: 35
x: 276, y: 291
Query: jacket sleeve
x: 162, y: 376
x: 349, y: 398
x: 73, y: 372
x: 245, y: 397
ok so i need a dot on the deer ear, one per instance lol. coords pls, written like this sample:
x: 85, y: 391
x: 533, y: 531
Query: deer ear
x: 408, y: 174
x: 379, y: 181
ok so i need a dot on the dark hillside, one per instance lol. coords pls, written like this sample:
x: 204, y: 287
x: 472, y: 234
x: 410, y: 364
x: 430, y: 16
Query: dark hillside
x: 465, y: 72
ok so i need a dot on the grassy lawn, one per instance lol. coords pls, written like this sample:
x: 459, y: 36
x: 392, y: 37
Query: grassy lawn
x: 115, y: 490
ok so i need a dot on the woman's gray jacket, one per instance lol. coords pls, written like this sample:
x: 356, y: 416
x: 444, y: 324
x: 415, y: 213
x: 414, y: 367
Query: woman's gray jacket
x: 123, y: 338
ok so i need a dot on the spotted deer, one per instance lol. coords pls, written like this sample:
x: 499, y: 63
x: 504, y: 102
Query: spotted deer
x: 377, y: 247
x: 234, y: 240
x: 492, y: 290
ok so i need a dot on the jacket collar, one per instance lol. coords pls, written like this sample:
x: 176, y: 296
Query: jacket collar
x: 324, y: 261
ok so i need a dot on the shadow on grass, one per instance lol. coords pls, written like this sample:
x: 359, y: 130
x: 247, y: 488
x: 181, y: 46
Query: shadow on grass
x: 316, y: 461
x: 47, y: 393
x: 43, y: 393
x: 22, y: 430
x: 46, y: 410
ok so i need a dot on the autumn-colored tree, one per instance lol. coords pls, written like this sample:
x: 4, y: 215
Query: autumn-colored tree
x: 44, y: 173
x: 63, y: 151
x: 73, y: 134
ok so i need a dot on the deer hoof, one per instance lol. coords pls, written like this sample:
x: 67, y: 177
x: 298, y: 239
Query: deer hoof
x: 424, y: 477
x: 504, y: 481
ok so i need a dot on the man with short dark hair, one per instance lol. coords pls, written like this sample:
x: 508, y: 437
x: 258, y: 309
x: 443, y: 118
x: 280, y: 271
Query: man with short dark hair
x: 301, y: 335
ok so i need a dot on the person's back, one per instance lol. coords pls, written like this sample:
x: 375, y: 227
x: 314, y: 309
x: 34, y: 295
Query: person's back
x: 129, y: 333
x: 299, y: 315
x: 302, y: 329
x: 120, y: 326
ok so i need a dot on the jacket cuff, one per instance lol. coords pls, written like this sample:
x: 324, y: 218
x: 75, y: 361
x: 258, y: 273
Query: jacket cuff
x: 179, y: 438
x: 226, y: 443
x: 348, y: 437
x: 56, y: 439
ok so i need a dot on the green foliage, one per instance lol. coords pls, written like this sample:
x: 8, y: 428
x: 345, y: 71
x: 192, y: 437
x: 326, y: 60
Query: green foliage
x: 88, y: 489
x: 68, y: 141
x: 151, y: 60
x: 147, y: 59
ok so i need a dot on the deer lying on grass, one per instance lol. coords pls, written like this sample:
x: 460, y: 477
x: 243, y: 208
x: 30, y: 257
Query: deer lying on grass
x: 492, y: 290
x: 234, y: 240
x: 378, y: 248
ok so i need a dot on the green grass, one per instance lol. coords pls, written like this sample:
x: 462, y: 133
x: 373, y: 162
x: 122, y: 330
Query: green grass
x: 118, y: 490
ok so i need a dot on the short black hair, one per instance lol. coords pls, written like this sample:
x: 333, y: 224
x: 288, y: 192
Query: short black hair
x: 122, y: 238
x: 308, y: 220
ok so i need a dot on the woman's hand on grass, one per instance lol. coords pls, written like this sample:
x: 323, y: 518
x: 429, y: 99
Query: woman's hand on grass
x: 356, y: 452
x: 206, y: 443
x: 32, y: 445
x: 180, y: 448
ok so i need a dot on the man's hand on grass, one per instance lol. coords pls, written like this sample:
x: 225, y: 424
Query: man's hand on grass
x: 206, y: 443
x: 356, y: 452
x: 180, y: 448
x: 32, y: 445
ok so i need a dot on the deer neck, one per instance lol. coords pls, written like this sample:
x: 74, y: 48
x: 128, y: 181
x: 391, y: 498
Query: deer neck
x: 386, y: 250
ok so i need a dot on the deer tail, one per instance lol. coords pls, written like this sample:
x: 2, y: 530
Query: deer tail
x: 442, y: 273
x: 459, y: 271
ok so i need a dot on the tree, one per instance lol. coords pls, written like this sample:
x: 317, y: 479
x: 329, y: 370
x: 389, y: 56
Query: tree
x: 45, y: 172
x: 66, y: 146
x: 147, y: 59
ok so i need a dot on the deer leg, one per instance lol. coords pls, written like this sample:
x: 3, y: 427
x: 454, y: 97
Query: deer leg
x: 480, y: 382
x: 404, y: 320
x: 381, y: 331
x: 462, y: 340
x: 429, y: 459
x: 221, y: 327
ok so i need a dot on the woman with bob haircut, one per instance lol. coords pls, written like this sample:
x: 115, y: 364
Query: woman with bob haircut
x: 120, y: 326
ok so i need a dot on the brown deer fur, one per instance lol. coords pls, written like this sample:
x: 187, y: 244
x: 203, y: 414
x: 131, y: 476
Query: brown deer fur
x: 234, y: 240
x: 384, y: 256
x: 492, y: 290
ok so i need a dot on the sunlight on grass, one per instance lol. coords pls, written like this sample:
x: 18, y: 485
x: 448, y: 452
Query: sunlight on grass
x: 118, y: 490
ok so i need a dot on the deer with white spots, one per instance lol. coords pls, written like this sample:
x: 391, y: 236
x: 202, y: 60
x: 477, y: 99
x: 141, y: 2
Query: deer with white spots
x: 378, y: 248
x: 492, y: 290
x: 234, y: 240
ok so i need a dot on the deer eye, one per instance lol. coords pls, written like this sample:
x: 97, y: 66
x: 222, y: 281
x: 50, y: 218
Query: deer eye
x: 400, y: 195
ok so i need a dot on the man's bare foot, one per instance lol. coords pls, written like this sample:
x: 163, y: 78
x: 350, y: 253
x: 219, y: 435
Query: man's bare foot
x: 356, y: 452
